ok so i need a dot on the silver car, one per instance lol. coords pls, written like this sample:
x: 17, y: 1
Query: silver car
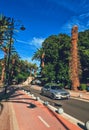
x: 55, y: 92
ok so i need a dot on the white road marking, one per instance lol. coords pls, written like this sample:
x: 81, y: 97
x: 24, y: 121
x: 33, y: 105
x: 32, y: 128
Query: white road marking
x: 43, y: 121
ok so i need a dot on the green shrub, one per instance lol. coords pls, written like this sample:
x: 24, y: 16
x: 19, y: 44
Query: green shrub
x: 83, y: 86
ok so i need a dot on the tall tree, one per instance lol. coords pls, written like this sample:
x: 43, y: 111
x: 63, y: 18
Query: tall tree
x: 4, y: 38
x: 57, y: 57
x: 38, y: 55
x: 55, y: 49
x: 74, y: 60
x: 83, y: 45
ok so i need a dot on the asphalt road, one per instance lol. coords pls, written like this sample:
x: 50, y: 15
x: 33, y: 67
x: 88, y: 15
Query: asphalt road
x: 76, y: 108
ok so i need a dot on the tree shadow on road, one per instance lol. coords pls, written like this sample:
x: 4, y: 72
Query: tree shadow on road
x: 5, y: 97
x: 13, y: 96
x: 81, y: 126
x: 31, y: 105
x: 1, y: 108
x: 11, y: 91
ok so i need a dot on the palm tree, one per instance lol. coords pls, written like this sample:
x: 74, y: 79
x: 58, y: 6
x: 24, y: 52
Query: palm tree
x: 75, y: 67
x: 3, y: 44
x: 6, y: 33
x: 14, y: 65
x: 39, y: 55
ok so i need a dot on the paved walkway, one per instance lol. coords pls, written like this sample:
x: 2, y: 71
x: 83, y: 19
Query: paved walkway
x: 80, y: 95
x: 29, y: 114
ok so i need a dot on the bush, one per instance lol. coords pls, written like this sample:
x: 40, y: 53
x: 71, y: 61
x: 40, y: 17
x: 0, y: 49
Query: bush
x: 83, y: 86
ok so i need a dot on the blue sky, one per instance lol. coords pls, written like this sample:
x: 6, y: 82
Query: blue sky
x: 43, y: 18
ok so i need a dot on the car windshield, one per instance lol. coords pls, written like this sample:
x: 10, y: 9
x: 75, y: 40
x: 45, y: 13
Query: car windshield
x: 55, y: 87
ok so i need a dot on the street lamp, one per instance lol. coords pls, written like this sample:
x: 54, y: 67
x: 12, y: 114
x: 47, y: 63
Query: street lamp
x: 10, y: 28
x: 9, y: 53
x: 22, y: 28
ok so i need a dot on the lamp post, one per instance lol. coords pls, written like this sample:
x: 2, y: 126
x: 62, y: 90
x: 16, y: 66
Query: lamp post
x: 8, y: 57
x: 9, y: 54
x: 6, y: 34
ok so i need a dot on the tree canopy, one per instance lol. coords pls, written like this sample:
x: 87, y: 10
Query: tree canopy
x: 57, y: 55
x: 11, y: 65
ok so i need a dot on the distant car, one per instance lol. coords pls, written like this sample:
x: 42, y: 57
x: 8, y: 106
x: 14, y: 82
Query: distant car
x: 55, y: 92
x: 36, y: 81
x: 87, y: 88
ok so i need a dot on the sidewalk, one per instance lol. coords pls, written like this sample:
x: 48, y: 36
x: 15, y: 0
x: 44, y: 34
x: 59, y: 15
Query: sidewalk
x: 29, y: 114
x: 80, y: 95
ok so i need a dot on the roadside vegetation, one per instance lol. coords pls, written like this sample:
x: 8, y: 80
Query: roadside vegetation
x: 12, y: 67
x: 57, y: 55
x: 54, y: 55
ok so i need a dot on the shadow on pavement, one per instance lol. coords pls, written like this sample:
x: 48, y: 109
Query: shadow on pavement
x: 1, y: 108
x: 10, y: 92
x: 58, y: 105
x: 14, y: 97
x: 81, y: 126
x: 31, y: 105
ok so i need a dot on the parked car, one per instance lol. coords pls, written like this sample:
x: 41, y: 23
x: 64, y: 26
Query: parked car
x: 87, y: 88
x: 55, y: 92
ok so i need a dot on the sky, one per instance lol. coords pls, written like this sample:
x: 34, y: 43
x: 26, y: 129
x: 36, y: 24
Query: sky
x: 43, y: 18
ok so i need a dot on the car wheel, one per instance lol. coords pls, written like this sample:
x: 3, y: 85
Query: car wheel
x: 52, y: 96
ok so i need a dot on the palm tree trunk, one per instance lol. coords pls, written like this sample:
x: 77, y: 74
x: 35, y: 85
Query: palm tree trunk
x: 74, y: 61
x: 3, y: 69
x: 42, y: 60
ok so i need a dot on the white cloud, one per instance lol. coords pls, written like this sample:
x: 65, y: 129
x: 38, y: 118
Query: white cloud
x: 85, y: 15
x: 22, y: 41
x: 33, y: 45
x: 81, y: 22
x: 37, y: 42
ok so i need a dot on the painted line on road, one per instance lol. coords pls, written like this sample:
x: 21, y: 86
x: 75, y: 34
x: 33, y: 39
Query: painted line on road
x: 47, y: 125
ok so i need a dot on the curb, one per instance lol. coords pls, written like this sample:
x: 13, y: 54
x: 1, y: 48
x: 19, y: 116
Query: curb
x: 68, y: 125
x: 79, y: 98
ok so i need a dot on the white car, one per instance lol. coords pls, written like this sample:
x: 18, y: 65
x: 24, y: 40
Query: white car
x: 55, y: 92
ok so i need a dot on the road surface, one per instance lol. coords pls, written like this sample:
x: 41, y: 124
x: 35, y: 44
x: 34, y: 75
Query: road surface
x: 76, y: 108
